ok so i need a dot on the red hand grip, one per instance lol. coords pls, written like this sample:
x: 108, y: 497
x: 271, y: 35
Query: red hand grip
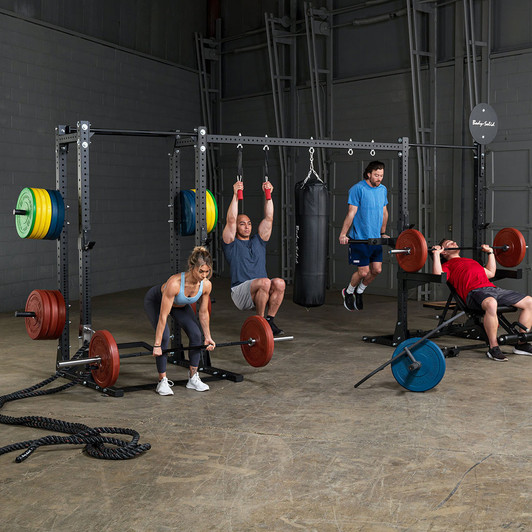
x: 240, y: 194
x: 268, y: 193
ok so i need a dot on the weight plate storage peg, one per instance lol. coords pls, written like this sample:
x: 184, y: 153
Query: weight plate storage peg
x: 103, y: 345
x: 261, y: 351
x: 432, y: 361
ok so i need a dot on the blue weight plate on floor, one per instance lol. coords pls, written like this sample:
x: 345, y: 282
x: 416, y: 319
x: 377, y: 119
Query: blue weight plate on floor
x: 53, y: 220
x: 188, y: 212
x: 60, y: 214
x: 428, y: 375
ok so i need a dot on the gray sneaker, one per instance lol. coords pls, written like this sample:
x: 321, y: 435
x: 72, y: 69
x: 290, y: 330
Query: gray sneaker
x: 523, y: 349
x: 495, y: 353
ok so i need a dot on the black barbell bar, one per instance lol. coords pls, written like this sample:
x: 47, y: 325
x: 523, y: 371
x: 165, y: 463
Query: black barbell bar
x: 97, y: 360
x: 407, y: 250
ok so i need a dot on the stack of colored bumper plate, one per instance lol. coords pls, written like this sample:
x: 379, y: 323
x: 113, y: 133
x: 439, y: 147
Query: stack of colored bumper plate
x: 188, y: 212
x: 40, y: 214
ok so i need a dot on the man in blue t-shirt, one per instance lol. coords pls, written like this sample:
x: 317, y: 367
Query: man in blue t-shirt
x: 367, y: 217
x: 246, y: 255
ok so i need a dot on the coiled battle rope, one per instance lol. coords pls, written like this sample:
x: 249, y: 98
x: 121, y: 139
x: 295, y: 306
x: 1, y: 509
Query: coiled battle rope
x: 96, y: 444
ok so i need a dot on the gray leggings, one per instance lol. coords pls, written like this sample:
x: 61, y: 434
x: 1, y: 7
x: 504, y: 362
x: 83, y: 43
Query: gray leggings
x: 184, y: 317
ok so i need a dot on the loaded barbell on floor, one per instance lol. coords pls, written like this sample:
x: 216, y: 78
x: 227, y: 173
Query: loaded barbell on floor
x: 418, y: 364
x: 256, y: 342
x: 411, y: 249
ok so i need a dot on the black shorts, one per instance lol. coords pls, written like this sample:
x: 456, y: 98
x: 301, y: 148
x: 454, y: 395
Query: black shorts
x: 504, y: 297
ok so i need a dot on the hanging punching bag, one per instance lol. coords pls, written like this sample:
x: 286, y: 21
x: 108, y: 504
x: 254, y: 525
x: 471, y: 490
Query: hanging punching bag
x: 312, y: 241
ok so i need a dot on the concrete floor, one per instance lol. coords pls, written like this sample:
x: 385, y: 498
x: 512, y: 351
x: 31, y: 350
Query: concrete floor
x: 292, y: 447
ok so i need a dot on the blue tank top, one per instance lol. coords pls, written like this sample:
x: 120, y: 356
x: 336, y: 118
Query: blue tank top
x: 181, y: 298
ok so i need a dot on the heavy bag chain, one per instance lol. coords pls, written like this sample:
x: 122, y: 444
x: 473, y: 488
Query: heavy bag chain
x: 311, y: 170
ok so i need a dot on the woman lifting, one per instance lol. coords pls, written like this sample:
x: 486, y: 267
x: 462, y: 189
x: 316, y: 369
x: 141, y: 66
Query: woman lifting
x: 174, y: 298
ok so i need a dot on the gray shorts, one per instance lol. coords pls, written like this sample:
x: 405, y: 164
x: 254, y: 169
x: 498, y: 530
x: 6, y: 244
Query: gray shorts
x: 241, y: 295
x: 503, y: 297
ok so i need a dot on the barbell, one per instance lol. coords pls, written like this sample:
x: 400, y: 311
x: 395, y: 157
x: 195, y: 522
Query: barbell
x: 417, y: 364
x: 411, y: 249
x: 256, y: 342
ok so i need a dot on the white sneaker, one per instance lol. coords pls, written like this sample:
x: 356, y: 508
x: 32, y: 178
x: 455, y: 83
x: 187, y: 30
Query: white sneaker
x: 164, y: 387
x: 195, y: 383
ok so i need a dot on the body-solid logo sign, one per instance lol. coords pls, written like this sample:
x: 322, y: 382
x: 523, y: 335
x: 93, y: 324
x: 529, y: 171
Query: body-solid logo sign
x: 483, y: 123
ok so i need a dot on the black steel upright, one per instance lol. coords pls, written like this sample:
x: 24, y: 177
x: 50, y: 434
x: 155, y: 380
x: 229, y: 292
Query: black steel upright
x: 479, y: 205
x: 84, y: 243
x: 61, y: 152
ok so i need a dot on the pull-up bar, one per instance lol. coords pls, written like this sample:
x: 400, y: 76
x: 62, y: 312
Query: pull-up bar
x: 279, y: 141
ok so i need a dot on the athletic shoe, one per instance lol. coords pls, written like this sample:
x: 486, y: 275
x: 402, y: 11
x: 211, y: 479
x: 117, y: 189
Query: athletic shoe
x: 195, y: 383
x: 164, y: 387
x: 275, y: 330
x: 523, y: 349
x: 349, y: 300
x: 359, y: 304
x: 495, y: 353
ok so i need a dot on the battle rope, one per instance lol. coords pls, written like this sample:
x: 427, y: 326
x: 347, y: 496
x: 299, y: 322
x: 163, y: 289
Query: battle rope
x: 96, y: 445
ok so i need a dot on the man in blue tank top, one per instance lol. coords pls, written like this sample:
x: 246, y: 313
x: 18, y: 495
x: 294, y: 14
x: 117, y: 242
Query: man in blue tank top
x: 246, y: 255
x: 367, y: 217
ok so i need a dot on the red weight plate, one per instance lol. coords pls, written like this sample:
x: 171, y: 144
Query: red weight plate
x: 61, y: 314
x: 515, y: 241
x: 261, y: 352
x: 38, y: 327
x: 415, y: 241
x: 193, y: 305
x: 103, y: 345
x: 53, y: 314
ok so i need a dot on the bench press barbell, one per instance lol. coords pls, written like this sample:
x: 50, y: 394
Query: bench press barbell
x: 411, y: 249
x: 256, y: 343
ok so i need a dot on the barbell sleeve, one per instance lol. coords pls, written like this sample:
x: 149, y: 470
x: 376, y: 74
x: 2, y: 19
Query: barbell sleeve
x: 399, y: 251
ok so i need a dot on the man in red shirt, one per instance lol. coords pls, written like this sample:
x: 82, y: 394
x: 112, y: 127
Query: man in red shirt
x: 472, y: 282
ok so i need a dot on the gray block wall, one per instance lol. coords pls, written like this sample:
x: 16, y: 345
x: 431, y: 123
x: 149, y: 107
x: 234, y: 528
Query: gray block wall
x: 47, y: 78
